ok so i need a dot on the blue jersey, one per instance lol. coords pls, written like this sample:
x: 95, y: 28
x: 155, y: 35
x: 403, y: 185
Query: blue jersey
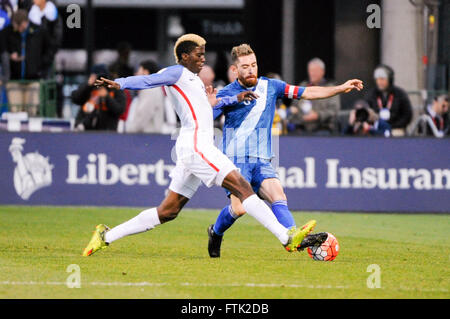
x: 247, y: 131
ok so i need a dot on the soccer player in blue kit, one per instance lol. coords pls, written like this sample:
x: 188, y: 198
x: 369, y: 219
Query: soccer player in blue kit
x: 247, y: 139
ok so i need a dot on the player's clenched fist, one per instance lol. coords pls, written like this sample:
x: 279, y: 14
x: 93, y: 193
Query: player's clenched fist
x: 108, y: 83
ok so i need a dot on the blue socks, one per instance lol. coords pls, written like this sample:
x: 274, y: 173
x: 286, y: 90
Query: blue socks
x: 224, y: 221
x: 283, y: 214
x: 227, y: 217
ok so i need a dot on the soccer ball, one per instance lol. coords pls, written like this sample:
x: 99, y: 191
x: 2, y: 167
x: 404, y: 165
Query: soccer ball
x: 325, y: 252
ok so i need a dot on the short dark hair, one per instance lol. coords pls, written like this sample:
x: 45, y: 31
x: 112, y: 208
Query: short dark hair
x: 185, y: 47
x: 150, y: 66
x: 20, y: 16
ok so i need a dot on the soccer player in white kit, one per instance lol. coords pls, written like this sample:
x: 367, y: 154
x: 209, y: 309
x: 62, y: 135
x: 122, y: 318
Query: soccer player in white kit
x: 198, y: 160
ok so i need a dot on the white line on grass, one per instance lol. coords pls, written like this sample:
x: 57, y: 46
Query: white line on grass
x: 161, y: 284
x: 153, y: 284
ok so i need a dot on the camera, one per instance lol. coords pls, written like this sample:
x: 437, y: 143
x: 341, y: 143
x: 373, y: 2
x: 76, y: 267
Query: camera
x: 362, y: 115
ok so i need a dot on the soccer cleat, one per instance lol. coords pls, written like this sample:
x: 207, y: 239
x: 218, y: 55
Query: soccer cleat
x: 214, y: 243
x: 313, y: 240
x: 97, y: 241
x: 296, y: 235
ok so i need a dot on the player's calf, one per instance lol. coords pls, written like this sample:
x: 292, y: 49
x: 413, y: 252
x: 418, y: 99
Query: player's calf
x: 170, y: 207
x: 254, y: 206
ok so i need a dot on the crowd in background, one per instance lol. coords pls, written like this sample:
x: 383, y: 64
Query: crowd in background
x: 31, y: 33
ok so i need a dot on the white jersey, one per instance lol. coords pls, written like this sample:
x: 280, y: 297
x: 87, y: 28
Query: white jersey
x: 197, y: 157
x: 188, y: 96
x: 190, y: 101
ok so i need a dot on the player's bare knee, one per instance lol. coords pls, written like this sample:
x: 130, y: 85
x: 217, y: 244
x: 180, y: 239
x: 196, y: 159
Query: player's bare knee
x: 278, y: 197
x: 239, y: 212
x: 236, y: 206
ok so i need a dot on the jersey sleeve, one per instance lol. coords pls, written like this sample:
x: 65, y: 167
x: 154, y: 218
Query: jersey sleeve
x: 224, y: 102
x: 286, y: 90
x: 167, y: 77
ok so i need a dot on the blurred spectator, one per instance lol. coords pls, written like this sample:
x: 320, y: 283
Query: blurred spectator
x: 315, y: 116
x: 45, y: 14
x: 231, y: 74
x: 100, y: 107
x: 30, y: 56
x: 207, y: 75
x: 364, y: 121
x: 389, y: 101
x: 437, y: 112
x: 146, y: 114
x: 22, y: 4
x: 6, y: 11
x: 121, y: 68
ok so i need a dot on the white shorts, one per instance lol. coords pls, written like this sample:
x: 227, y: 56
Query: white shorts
x: 206, y: 164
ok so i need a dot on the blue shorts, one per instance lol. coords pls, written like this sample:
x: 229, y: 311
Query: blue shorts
x: 255, y: 173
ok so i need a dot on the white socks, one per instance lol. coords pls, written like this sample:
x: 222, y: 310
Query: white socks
x: 262, y: 213
x: 146, y: 220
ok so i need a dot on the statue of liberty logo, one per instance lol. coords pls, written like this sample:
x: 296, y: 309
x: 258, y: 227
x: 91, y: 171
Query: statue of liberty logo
x: 33, y: 171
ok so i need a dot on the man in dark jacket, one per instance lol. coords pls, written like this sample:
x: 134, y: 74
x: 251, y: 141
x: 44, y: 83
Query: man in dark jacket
x: 30, y: 56
x: 100, y: 107
x: 389, y: 101
x: 437, y: 112
x: 29, y: 48
x: 44, y: 14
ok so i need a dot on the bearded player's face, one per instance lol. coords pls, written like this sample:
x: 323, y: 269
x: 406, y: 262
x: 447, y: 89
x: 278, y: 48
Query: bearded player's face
x: 247, y: 70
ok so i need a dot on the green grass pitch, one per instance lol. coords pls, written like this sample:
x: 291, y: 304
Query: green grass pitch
x: 37, y: 244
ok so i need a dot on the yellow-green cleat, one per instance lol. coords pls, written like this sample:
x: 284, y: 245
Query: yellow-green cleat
x: 97, y: 241
x: 296, y: 235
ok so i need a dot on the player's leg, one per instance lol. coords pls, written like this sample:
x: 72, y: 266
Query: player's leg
x: 228, y: 215
x: 213, y: 167
x: 256, y: 208
x: 232, y: 212
x: 149, y: 218
x: 272, y: 191
x: 144, y: 221
x: 182, y: 187
x: 225, y: 220
x: 256, y: 174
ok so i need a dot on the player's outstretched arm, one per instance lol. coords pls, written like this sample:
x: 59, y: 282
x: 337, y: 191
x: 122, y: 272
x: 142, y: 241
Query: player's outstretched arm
x: 167, y: 77
x: 321, y: 92
x: 219, y: 103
